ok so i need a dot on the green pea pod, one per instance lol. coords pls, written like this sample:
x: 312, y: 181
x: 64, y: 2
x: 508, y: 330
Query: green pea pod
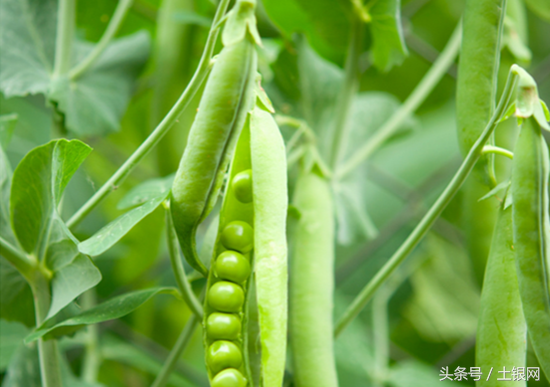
x: 501, y: 329
x: 222, y: 111
x: 270, y: 208
x: 478, y: 68
x: 232, y: 210
x: 255, y: 199
x: 532, y: 235
x: 476, y: 91
x: 312, y: 285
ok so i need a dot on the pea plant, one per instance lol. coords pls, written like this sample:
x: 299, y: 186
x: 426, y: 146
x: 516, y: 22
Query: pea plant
x: 274, y: 193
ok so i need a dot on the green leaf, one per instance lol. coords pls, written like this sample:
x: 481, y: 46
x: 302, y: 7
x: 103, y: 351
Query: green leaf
x: 11, y: 337
x: 37, y: 186
x: 16, y: 301
x: 324, y: 22
x: 27, y: 38
x: 500, y: 187
x: 111, y: 234
x: 445, y: 303
x: 320, y: 83
x: 94, y: 103
x: 368, y: 114
x: 541, y: 8
x: 7, y: 125
x: 74, y: 273
x: 109, y: 310
x: 146, y: 191
x: 388, y: 48
x: 5, y: 187
x: 24, y: 370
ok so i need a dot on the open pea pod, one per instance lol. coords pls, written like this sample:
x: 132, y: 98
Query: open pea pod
x: 532, y: 235
x: 251, y: 238
x: 227, y: 97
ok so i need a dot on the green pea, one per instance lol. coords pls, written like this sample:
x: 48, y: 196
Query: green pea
x: 242, y: 186
x: 226, y: 297
x: 232, y: 266
x: 223, y: 326
x: 239, y: 236
x: 229, y: 378
x: 224, y: 354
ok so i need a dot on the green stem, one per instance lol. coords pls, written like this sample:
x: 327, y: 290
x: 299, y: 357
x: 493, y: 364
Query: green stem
x: 498, y: 151
x: 417, y: 97
x: 17, y: 258
x: 341, y: 128
x: 118, y: 16
x: 92, y: 356
x: 381, y: 337
x: 64, y: 37
x: 48, y: 352
x: 433, y: 213
x: 162, y: 378
x: 179, y: 271
x: 163, y: 126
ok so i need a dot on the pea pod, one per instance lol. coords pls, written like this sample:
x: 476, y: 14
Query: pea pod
x: 227, y: 97
x: 532, y: 235
x: 501, y: 329
x: 476, y: 91
x: 312, y: 285
x: 251, y: 234
x: 270, y: 209
x: 478, y: 68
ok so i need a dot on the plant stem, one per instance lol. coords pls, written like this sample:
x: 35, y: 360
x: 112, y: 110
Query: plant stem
x: 92, y: 357
x: 64, y: 37
x: 433, y: 213
x: 380, y: 337
x: 341, y: 128
x: 163, y: 126
x: 177, y: 267
x: 116, y: 20
x: 175, y: 353
x: 17, y: 258
x: 498, y: 151
x: 417, y: 97
x: 48, y: 352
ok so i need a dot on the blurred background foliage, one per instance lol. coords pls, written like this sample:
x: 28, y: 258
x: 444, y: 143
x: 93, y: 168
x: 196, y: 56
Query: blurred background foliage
x: 430, y: 307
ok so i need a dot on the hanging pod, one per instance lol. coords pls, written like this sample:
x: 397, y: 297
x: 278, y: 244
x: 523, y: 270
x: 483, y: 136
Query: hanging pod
x: 251, y: 239
x: 312, y: 284
x: 532, y: 235
x: 227, y: 97
x: 501, y: 330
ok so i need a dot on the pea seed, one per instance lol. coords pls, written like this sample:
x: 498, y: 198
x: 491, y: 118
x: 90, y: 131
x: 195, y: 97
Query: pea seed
x: 242, y: 186
x: 226, y: 297
x: 224, y: 354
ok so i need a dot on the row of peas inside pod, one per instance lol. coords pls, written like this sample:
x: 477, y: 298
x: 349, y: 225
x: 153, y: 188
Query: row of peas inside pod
x: 227, y: 287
